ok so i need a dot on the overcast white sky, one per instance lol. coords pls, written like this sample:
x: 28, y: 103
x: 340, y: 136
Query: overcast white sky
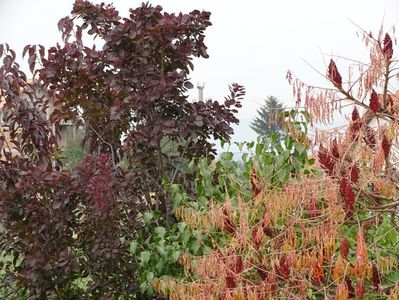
x: 253, y: 43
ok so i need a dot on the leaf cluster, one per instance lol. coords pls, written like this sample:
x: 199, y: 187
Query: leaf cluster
x: 69, y: 233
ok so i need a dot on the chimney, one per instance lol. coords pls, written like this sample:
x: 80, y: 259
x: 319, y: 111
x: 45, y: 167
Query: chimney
x: 200, y: 91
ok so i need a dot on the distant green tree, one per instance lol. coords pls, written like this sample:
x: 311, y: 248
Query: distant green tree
x: 266, y: 122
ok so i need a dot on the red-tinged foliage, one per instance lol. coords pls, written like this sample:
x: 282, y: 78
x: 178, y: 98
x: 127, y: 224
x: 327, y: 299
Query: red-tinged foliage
x: 317, y: 272
x: 374, y: 104
x: 230, y: 282
x: 355, y: 115
x: 341, y: 292
x: 359, y: 288
x: 354, y: 176
x: 256, y: 189
x: 313, y: 210
x: 333, y: 74
x: 361, y: 256
x: 334, y: 149
x: 271, y: 283
x: 268, y: 231
x: 369, y: 137
x: 344, y: 248
x: 261, y: 270
x: 326, y: 160
x: 257, y: 234
x: 239, y: 265
x: 386, y: 146
x: 308, y: 221
x: 131, y: 96
x: 135, y: 88
x: 283, y: 268
x: 346, y: 191
x: 376, y: 277
x: 228, y: 226
x: 387, y: 48
x: 100, y: 185
x: 390, y: 101
x: 350, y: 288
x: 356, y: 124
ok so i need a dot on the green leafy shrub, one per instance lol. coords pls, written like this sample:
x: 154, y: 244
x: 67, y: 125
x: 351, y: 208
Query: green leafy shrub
x: 225, y: 179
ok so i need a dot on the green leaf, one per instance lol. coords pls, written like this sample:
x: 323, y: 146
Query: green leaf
x: 300, y: 148
x: 150, y: 276
x: 259, y: 148
x: 175, y: 256
x: 195, y: 246
x: 177, y: 200
x: 161, y: 250
x: 311, y: 161
x: 160, y: 266
x: 288, y: 142
x: 145, y: 257
x: 133, y: 247
x: 160, y: 231
x: 394, y: 276
x: 222, y: 143
x: 182, y: 226
x: 268, y: 160
x: 227, y: 156
x: 144, y: 287
x: 274, y: 138
x: 147, y: 217
x: 185, y: 236
x: 392, y: 236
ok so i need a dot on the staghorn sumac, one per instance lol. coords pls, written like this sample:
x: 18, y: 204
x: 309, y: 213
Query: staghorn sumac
x: 334, y: 74
x: 359, y: 288
x: 341, y: 292
x: 331, y: 230
x: 344, y: 248
x: 256, y: 189
x: 354, y: 175
x: 356, y: 124
x: 387, y: 49
x: 228, y: 225
x: 335, y: 150
x: 374, y: 104
x: 238, y: 265
x: 257, y: 235
x: 376, y: 280
x: 369, y: 137
x: 347, y: 193
x: 326, y: 160
x: 313, y: 210
x: 349, y: 286
x: 386, y: 146
x: 361, y: 255
x: 284, y: 266
x: 230, y: 281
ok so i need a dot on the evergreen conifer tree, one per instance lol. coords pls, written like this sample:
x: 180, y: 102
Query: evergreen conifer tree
x: 266, y: 121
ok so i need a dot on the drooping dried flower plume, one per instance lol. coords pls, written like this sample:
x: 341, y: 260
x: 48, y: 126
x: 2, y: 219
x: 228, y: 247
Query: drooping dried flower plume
x: 323, y: 234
